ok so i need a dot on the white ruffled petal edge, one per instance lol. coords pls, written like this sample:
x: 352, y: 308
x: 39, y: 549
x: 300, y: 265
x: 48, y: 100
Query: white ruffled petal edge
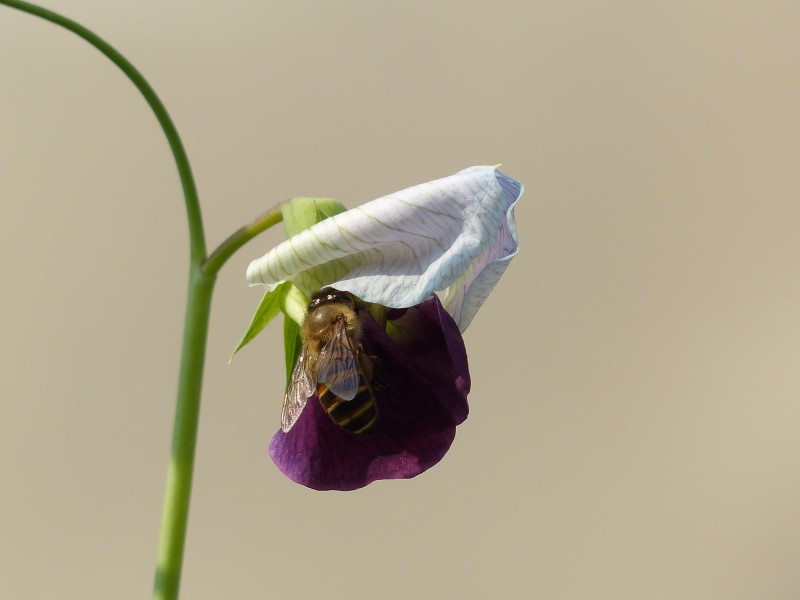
x: 463, y: 298
x: 454, y: 235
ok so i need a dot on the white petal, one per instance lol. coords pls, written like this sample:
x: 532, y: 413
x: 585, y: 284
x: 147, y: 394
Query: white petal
x: 457, y: 231
x: 463, y: 298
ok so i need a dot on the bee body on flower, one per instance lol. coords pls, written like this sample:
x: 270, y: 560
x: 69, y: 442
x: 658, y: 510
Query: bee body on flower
x: 358, y: 415
x: 332, y: 363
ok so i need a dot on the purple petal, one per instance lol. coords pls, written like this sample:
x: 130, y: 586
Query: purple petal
x: 421, y: 386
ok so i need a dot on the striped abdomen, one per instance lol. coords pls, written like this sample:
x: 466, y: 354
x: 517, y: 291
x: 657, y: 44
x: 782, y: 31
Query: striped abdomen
x: 358, y: 415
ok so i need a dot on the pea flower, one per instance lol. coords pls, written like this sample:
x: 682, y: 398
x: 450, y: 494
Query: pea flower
x: 420, y: 263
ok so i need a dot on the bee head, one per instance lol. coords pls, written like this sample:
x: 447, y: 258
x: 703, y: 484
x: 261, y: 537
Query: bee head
x: 329, y: 295
x: 327, y: 307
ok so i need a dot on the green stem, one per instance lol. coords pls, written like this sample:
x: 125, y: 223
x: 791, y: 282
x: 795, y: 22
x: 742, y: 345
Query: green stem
x: 241, y: 236
x: 197, y: 238
x: 177, y: 496
x: 202, y: 277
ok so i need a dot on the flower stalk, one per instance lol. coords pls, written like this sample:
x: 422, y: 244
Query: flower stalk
x: 202, y: 277
x: 240, y: 237
x: 197, y: 239
x: 178, y: 491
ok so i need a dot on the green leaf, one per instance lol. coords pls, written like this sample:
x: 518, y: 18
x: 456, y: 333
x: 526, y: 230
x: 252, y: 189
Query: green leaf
x: 270, y: 306
x: 301, y: 212
x: 286, y: 298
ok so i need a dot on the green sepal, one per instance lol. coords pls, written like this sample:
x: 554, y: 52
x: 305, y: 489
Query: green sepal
x: 285, y: 298
x: 301, y: 212
x: 291, y: 343
x: 294, y: 303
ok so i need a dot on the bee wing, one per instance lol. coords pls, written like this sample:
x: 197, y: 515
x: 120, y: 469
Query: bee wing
x: 301, y: 387
x: 337, y: 366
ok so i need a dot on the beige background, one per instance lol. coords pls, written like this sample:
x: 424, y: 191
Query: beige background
x: 636, y: 399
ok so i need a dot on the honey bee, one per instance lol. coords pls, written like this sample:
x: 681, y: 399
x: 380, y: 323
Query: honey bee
x: 333, y: 363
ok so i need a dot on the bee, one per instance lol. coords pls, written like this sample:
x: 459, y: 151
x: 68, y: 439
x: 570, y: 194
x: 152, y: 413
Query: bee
x: 333, y: 364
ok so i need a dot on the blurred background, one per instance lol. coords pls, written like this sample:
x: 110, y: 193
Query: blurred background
x: 636, y: 400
